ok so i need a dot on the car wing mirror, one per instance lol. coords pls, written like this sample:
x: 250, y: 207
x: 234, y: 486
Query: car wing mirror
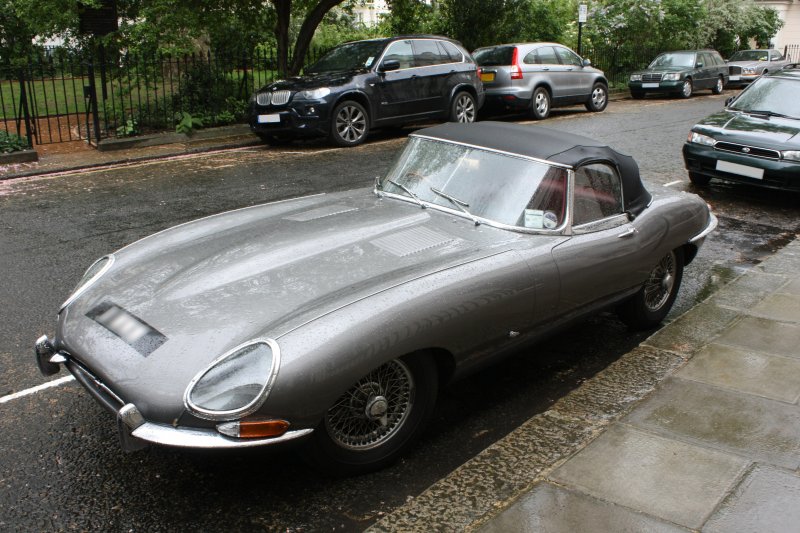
x: 587, y: 62
x: 699, y: 64
x: 389, y: 65
x: 729, y: 100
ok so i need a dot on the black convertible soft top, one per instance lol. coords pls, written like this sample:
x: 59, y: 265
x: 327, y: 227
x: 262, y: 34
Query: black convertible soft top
x: 548, y: 145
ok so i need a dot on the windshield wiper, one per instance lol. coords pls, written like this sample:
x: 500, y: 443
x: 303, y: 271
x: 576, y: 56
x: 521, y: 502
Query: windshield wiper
x: 408, y: 191
x: 462, y: 205
x: 765, y: 113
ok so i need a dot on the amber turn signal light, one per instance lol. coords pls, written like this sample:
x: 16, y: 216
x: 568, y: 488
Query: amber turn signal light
x: 254, y: 428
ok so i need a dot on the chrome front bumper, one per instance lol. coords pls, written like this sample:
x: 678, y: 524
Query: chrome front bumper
x: 135, y: 432
x: 698, y: 239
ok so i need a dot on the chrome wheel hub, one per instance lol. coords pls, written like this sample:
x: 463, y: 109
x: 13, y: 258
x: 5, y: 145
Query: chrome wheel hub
x: 598, y: 97
x: 374, y: 409
x: 541, y: 103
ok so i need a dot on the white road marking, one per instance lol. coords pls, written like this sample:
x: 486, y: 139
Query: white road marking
x: 38, y: 388
x: 671, y: 183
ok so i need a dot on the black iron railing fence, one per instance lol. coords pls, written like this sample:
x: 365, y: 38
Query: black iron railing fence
x: 60, y: 96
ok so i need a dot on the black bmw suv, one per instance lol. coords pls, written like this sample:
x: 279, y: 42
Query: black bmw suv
x: 366, y: 84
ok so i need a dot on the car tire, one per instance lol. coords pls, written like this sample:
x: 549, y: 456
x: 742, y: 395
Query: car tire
x: 540, y: 104
x: 349, y: 124
x: 719, y: 86
x: 352, y: 440
x: 637, y: 95
x: 598, y: 100
x: 650, y: 305
x: 463, y: 108
x: 701, y: 180
x: 686, y: 89
x: 275, y: 140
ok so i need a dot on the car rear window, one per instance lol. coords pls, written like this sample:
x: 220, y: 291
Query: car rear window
x: 494, y: 56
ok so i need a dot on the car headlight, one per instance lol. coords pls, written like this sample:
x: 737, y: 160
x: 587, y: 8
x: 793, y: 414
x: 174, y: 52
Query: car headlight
x: 636, y: 77
x: 671, y: 76
x: 748, y: 70
x: 315, y: 94
x: 699, y: 138
x: 92, y: 274
x: 791, y: 155
x: 235, y: 384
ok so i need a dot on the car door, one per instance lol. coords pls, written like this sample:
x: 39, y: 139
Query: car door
x: 577, y: 80
x: 544, y: 61
x: 397, y: 89
x: 603, y: 257
x: 432, y: 73
x: 706, y: 73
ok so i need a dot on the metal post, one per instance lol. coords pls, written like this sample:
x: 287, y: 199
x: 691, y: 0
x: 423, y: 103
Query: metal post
x: 23, y: 104
x: 93, y: 103
x: 580, y: 31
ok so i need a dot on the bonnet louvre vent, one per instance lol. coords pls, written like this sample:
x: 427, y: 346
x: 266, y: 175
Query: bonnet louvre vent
x: 411, y: 241
x: 320, y: 212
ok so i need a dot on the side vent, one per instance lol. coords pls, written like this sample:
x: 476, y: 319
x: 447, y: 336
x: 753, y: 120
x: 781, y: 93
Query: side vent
x: 320, y: 212
x: 411, y: 241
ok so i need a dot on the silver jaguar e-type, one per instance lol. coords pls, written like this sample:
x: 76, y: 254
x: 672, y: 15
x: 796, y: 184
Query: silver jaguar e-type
x: 332, y: 319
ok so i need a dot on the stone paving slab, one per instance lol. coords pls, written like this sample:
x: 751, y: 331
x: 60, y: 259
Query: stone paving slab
x: 779, y: 306
x: 770, y: 376
x: 763, y: 335
x: 555, y: 509
x: 767, y: 499
x: 748, y: 290
x: 672, y: 480
x: 693, y: 330
x: 759, y: 428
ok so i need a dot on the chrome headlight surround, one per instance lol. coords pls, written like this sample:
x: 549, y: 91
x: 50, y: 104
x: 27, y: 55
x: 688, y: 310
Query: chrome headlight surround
x: 672, y: 76
x: 315, y: 94
x: 699, y: 138
x: 217, y: 378
x: 636, y: 77
x: 92, y: 274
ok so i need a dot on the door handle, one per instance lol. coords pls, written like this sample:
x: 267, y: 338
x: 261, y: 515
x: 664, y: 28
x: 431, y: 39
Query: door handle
x: 570, y: 69
x: 630, y: 232
x: 545, y: 68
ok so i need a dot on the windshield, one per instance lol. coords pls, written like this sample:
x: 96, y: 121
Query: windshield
x: 493, y: 56
x: 496, y: 187
x: 349, y: 56
x: 674, y: 59
x: 750, y: 55
x: 775, y: 95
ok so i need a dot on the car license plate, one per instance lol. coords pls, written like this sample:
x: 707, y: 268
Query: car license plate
x: 487, y: 76
x: 742, y: 170
x: 649, y: 85
x: 735, y: 78
x: 268, y: 119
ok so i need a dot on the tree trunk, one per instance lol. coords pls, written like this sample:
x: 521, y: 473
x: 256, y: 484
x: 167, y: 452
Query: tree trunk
x: 283, y: 10
x: 306, y: 33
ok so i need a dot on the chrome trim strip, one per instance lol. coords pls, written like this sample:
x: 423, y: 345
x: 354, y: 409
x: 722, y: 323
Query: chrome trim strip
x: 493, y: 150
x: 80, y: 290
x: 483, y: 221
x: 245, y: 410
x: 712, y: 225
x: 204, y: 438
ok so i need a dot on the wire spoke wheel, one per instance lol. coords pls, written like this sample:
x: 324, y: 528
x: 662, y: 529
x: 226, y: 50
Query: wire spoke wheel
x: 374, y: 409
x: 658, y: 287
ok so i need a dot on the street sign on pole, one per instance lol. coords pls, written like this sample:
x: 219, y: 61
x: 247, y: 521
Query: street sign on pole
x: 583, y: 13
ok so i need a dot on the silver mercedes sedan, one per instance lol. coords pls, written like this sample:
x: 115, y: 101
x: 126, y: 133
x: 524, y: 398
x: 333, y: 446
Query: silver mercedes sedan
x: 331, y: 321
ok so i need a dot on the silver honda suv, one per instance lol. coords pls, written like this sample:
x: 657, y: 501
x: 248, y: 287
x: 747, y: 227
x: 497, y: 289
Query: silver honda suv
x: 539, y: 76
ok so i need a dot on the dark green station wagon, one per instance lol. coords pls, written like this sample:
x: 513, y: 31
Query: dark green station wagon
x: 681, y: 73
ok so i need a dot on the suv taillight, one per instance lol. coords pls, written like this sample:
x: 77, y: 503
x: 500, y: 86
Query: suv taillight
x: 516, y: 71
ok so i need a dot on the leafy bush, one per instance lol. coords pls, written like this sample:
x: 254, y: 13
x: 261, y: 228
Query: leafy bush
x: 11, y: 142
x: 187, y: 123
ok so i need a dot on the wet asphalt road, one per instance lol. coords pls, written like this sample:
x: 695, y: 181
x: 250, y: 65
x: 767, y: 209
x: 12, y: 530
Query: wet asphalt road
x: 60, y: 466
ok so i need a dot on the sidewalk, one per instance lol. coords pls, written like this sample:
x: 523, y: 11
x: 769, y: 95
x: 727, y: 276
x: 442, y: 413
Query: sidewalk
x: 77, y: 155
x: 709, y: 440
